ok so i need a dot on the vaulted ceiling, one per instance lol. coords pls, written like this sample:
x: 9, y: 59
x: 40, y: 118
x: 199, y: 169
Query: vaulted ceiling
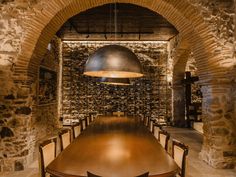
x: 117, y: 22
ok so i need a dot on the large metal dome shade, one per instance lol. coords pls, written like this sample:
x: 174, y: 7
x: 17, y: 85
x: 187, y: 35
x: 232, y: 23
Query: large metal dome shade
x: 113, y: 61
x: 115, y: 81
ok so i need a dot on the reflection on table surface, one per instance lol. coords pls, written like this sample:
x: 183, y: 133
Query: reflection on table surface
x: 114, y: 147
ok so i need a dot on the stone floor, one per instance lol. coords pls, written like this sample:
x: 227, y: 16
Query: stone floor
x: 195, y: 167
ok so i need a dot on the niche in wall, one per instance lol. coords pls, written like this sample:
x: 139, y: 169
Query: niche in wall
x: 47, y: 92
x: 46, y: 110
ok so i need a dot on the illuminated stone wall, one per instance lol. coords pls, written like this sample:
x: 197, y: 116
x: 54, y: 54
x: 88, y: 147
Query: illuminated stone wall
x: 148, y: 96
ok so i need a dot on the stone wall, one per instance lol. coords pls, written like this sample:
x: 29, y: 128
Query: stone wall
x: 219, y: 126
x: 196, y: 88
x: 22, y: 121
x: 46, y: 111
x: 148, y: 96
x: 15, y: 97
x: 19, y: 32
x: 196, y: 96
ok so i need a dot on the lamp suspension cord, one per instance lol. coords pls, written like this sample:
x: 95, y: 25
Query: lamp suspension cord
x: 115, y: 19
x: 110, y: 20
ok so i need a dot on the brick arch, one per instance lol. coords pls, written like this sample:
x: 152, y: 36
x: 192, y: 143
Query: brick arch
x: 180, y: 13
x: 179, y: 67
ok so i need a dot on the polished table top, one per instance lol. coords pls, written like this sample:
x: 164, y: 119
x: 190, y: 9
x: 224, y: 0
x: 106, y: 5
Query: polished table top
x: 114, y: 147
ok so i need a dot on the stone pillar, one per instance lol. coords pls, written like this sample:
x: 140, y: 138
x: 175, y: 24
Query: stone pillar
x: 16, y: 139
x: 219, y: 143
x: 178, y: 105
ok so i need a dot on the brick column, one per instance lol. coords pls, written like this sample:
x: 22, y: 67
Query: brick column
x: 219, y: 143
x: 178, y: 107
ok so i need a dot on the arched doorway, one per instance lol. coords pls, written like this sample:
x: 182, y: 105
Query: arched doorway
x: 40, y: 30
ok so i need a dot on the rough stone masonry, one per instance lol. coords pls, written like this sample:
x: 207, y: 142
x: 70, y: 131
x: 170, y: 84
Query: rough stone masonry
x: 18, y: 95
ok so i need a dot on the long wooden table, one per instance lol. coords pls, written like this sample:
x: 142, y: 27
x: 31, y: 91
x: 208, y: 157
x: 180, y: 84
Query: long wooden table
x: 114, y: 147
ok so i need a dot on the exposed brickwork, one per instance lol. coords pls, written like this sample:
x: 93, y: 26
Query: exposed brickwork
x: 220, y: 15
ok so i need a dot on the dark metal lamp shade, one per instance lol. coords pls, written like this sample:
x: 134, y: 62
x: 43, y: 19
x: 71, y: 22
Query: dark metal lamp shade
x: 115, y: 81
x: 113, y: 61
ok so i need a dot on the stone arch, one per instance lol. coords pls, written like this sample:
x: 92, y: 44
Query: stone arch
x: 188, y: 21
x: 179, y: 67
x: 178, y: 91
x: 181, y: 14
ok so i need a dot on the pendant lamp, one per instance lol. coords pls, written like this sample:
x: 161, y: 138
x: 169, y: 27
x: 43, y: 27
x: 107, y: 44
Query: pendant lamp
x: 115, y: 81
x: 113, y: 61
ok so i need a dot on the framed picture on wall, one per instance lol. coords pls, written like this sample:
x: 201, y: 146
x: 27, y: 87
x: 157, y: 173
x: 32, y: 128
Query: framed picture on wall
x: 47, y: 90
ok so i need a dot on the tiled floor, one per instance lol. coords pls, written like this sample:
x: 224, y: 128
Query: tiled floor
x: 195, y: 167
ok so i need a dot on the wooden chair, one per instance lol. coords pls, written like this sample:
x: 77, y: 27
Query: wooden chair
x: 47, y: 153
x: 83, y: 124
x: 118, y: 113
x: 76, y: 129
x: 179, y: 153
x: 156, y: 129
x: 146, y: 121
x: 141, y: 119
x: 91, y: 174
x: 151, y: 124
x: 87, y: 120
x: 65, y: 138
x: 143, y: 175
x: 164, y: 138
x: 92, y: 117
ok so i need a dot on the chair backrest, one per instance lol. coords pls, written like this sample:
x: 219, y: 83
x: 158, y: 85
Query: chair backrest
x: 142, y: 119
x: 179, y: 153
x: 146, y: 121
x: 89, y: 174
x: 76, y: 130
x: 83, y: 124
x: 47, y: 153
x: 143, y: 175
x: 118, y: 113
x: 164, y: 138
x: 92, y: 117
x: 156, y: 129
x: 151, y: 125
x: 87, y: 120
x: 65, y: 138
